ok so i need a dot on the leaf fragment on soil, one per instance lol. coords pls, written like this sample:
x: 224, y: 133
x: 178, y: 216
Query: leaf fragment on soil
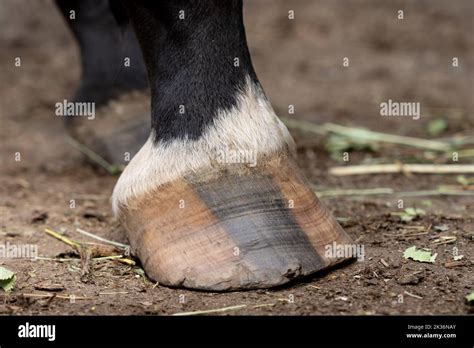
x: 337, y: 144
x: 461, y: 179
x: 419, y: 255
x: 409, y: 214
x: 7, y: 279
x: 436, y: 127
x: 470, y: 298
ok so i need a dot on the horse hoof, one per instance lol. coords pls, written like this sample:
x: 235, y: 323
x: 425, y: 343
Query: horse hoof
x: 233, y: 228
x: 117, y: 131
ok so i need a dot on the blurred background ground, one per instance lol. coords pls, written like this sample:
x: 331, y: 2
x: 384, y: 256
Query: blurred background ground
x: 299, y: 63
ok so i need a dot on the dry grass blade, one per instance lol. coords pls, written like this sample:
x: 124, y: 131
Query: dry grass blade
x: 366, y: 134
x: 387, y: 137
x: 119, y: 258
x: 110, y: 168
x: 126, y: 261
x: 438, y: 192
x: 263, y: 305
x: 384, y: 191
x: 75, y: 245
x: 113, y: 293
x: 56, y: 259
x: 355, y: 192
x: 209, y: 311
x: 88, y: 252
x: 91, y: 235
x: 402, y: 168
x: 444, y: 240
x: 413, y: 295
x: 304, y: 126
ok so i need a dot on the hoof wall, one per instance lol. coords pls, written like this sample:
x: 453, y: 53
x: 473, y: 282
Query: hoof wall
x: 233, y: 229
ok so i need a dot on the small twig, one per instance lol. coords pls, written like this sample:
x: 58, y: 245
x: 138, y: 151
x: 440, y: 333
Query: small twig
x: 451, y: 264
x: 413, y: 295
x: 314, y: 287
x: 86, y: 256
x: 402, y: 168
x: 57, y: 296
x: 51, y: 299
x: 415, y: 234
x: 119, y: 258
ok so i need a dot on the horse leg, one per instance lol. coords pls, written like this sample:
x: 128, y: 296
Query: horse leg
x: 214, y: 200
x: 112, y: 68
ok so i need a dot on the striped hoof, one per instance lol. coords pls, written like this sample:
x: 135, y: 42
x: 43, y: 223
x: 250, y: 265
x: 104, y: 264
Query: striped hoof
x: 117, y: 132
x: 233, y: 227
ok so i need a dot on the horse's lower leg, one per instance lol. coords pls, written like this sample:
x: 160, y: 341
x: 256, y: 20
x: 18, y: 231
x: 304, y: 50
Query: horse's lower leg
x: 112, y: 65
x: 213, y: 199
x: 103, y: 46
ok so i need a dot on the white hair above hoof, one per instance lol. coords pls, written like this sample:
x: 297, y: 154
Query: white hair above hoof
x: 250, y: 130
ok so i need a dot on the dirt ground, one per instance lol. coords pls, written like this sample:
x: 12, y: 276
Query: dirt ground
x: 300, y: 63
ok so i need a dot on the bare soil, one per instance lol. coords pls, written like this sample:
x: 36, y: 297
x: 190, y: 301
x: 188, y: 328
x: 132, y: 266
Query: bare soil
x: 299, y: 63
